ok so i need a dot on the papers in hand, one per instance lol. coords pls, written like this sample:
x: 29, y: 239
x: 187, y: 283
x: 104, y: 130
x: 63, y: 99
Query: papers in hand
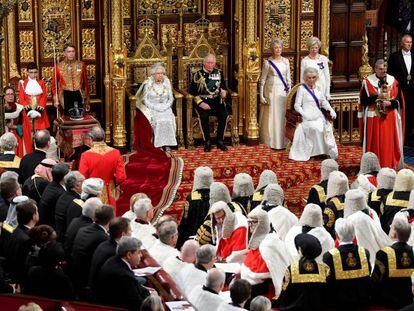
x: 233, y: 267
x: 179, y: 305
x: 146, y: 271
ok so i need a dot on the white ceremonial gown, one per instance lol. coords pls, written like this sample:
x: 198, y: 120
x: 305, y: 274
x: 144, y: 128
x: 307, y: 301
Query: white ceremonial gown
x: 322, y: 66
x: 144, y: 233
x: 189, y: 278
x: 369, y: 234
x: 282, y: 220
x: 320, y: 233
x: 161, y: 252
x: 203, y: 300
x: 158, y: 98
x: 272, y: 115
x: 314, y: 136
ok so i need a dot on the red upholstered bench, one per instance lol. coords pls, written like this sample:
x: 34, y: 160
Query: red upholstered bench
x: 161, y: 280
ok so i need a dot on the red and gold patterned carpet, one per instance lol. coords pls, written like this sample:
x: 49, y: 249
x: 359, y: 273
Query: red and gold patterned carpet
x: 295, y: 177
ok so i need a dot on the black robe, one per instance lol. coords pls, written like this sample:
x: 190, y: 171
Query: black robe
x: 334, y: 209
x: 392, y: 275
x: 317, y: 194
x: 395, y: 201
x: 349, y: 284
x: 194, y: 214
x: 257, y: 197
x: 376, y: 200
x: 304, y: 286
x: 245, y: 202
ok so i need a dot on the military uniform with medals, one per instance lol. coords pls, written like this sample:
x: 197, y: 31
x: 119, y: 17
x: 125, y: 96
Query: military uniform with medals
x: 392, y: 275
x: 205, y: 87
x: 195, y: 212
x: 349, y: 281
x: 317, y: 194
x: 334, y: 209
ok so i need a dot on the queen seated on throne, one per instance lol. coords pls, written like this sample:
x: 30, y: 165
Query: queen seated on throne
x: 155, y: 99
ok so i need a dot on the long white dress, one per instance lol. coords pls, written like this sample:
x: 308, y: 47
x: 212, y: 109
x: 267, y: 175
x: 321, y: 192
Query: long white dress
x: 158, y: 98
x: 322, y: 66
x: 272, y: 115
x: 314, y: 136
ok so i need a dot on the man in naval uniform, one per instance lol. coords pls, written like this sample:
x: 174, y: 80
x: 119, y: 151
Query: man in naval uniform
x: 70, y: 87
x: 197, y: 204
x: 394, y: 266
x: 209, y: 90
x: 317, y: 193
x: 349, y: 282
x: 335, y: 197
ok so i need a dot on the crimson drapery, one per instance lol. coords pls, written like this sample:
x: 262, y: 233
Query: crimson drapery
x: 149, y: 170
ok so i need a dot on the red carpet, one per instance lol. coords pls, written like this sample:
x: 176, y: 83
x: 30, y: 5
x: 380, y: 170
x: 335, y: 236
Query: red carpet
x: 295, y: 177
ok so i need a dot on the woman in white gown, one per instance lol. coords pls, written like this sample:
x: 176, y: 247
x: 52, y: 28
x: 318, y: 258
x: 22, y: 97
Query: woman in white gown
x: 320, y: 63
x: 158, y: 98
x: 314, y: 136
x: 275, y: 83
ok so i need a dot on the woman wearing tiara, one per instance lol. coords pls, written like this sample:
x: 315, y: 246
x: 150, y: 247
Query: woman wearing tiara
x: 275, y: 83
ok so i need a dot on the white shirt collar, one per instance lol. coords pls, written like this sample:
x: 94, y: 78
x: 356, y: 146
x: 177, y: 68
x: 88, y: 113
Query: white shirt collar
x: 345, y: 243
x: 405, y: 53
x: 103, y: 228
x: 8, y: 152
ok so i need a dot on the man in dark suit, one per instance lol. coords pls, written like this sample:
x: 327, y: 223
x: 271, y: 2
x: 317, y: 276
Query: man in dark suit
x: 116, y: 283
x: 53, y: 191
x: 86, y: 241
x: 349, y: 284
x: 394, y: 266
x: 73, y: 183
x: 31, y: 160
x: 118, y: 228
x: 8, y: 160
x: 9, y: 189
x: 87, y: 217
x: 401, y: 66
x: 20, y: 242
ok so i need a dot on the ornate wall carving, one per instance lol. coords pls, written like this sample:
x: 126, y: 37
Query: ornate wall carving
x: 215, y: 7
x: 170, y: 32
x: 25, y: 11
x: 307, y: 6
x: 162, y: 7
x: 306, y: 31
x: 277, y: 21
x: 128, y: 37
x: 55, y: 14
x: 91, y: 70
x: 88, y: 44
x: 126, y: 8
x: 47, y: 73
x: 26, y: 46
x: 88, y: 13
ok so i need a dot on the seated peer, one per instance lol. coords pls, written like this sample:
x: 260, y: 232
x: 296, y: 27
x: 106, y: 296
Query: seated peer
x: 394, y: 266
x: 174, y: 265
x: 239, y: 292
x: 117, y: 285
x: 260, y: 303
x: 164, y: 247
x: 141, y: 226
x: 48, y: 279
x: 152, y: 303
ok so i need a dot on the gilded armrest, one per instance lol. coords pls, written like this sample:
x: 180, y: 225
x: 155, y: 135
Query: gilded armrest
x: 179, y: 111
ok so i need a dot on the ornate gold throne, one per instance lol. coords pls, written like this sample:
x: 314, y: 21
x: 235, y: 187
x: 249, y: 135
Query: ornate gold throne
x: 187, y: 65
x: 138, y: 66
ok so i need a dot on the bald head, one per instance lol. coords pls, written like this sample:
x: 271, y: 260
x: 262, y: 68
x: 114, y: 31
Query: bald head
x: 188, y: 251
x: 215, y: 279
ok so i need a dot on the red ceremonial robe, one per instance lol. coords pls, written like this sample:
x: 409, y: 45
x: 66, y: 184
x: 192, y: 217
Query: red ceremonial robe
x: 40, y: 123
x: 382, y: 135
x: 229, y: 248
x: 102, y: 161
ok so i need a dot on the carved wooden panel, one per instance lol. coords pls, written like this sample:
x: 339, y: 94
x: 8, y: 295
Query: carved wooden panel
x: 25, y: 11
x: 277, y: 20
x: 306, y: 31
x: 26, y: 46
x: 88, y: 44
x: 146, y: 7
x: 88, y: 12
x: 215, y: 7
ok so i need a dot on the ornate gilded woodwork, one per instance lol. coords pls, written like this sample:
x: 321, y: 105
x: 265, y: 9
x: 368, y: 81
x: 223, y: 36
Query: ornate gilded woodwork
x: 138, y: 69
x: 26, y: 40
x: 278, y: 21
x: 88, y: 44
x: 128, y: 37
x: 215, y: 7
x: 307, y: 6
x: 153, y: 7
x: 58, y: 12
x: 306, y: 31
x: 88, y: 13
x: 169, y: 32
x: 47, y: 73
x: 24, y: 11
x: 91, y: 70
x: 126, y: 8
